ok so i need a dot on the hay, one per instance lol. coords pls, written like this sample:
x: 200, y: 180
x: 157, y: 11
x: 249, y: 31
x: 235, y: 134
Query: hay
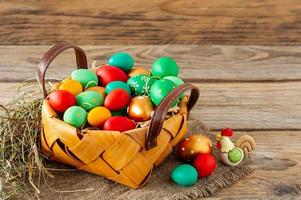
x: 20, y: 156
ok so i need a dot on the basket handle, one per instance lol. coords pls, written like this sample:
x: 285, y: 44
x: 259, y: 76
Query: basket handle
x: 52, y: 53
x: 160, y: 112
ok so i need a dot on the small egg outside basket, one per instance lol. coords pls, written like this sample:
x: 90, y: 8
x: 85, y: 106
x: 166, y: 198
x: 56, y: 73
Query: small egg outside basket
x: 124, y: 157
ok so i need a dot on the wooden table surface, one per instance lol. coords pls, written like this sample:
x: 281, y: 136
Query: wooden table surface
x: 245, y: 56
x: 254, y: 89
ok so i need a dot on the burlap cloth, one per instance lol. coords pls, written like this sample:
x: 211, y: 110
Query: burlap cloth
x: 76, y: 184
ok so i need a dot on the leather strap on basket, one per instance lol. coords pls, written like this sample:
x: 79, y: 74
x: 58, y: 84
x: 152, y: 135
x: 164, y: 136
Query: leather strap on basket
x: 160, y: 112
x: 52, y: 53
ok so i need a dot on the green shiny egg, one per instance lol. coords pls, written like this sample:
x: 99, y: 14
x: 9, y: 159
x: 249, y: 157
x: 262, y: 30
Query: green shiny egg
x: 89, y: 100
x: 117, y: 84
x: 75, y: 116
x: 141, y: 84
x: 184, y: 175
x: 160, y: 89
x: 119, y: 112
x: 165, y: 66
x: 121, y: 60
x: 86, y: 77
x: 176, y: 81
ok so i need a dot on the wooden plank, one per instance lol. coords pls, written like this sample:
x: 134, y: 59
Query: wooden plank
x: 152, y: 22
x: 243, y: 106
x: 277, y: 164
x: 197, y: 63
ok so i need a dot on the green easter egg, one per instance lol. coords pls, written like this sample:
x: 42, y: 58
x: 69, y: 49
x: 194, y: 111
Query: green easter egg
x: 75, y: 116
x: 160, y: 89
x: 117, y: 84
x: 184, y: 175
x: 86, y: 77
x: 118, y: 112
x: 121, y: 60
x: 141, y: 84
x: 165, y: 66
x: 235, y: 155
x: 89, y: 100
x: 176, y: 81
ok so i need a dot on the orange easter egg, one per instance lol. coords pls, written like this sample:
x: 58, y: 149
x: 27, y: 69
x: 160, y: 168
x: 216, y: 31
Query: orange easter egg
x: 100, y: 90
x: 98, y: 115
x: 72, y: 86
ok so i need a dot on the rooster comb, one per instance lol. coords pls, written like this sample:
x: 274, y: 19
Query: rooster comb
x: 227, y: 132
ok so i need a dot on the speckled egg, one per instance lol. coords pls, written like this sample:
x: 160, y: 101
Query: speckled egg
x: 86, y: 77
x: 89, y: 100
x: 75, y: 116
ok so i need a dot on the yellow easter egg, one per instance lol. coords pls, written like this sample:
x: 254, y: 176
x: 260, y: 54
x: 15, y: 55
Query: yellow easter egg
x: 72, y: 86
x: 138, y: 71
x: 98, y: 115
x: 100, y: 90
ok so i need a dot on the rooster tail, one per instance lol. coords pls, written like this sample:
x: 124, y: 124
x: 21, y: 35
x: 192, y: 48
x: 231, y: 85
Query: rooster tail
x: 246, y: 143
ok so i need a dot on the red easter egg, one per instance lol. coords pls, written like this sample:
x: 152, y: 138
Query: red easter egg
x: 61, y: 100
x: 107, y: 74
x: 117, y: 99
x: 119, y: 123
x: 205, y: 164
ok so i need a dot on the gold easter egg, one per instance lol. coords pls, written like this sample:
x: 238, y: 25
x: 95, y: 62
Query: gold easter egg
x: 138, y: 71
x: 140, y: 108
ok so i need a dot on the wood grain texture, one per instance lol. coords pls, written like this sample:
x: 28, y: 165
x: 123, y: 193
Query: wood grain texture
x: 242, y: 106
x: 197, y: 63
x: 268, y: 22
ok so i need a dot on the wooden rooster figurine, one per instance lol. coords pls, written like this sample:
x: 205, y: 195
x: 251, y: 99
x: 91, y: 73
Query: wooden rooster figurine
x: 231, y: 154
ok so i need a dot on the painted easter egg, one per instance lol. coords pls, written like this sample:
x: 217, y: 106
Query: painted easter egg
x: 72, y: 86
x: 160, y: 89
x: 205, y: 164
x: 117, y: 84
x: 141, y: 84
x: 184, y: 175
x: 60, y: 100
x: 75, y: 116
x: 98, y: 115
x: 89, y: 100
x: 140, y: 108
x: 119, y: 123
x: 86, y: 77
x: 165, y: 66
x: 117, y: 99
x: 176, y: 81
x: 99, y: 89
x: 121, y: 60
x: 138, y: 71
x: 107, y: 74
x: 193, y: 145
x: 120, y: 112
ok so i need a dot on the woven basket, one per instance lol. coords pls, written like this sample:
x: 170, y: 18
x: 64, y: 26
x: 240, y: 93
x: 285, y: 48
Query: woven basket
x: 124, y: 157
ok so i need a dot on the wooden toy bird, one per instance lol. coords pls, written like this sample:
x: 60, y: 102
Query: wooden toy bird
x: 232, y: 154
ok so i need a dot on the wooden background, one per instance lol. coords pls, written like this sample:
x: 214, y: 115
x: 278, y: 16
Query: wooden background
x: 245, y: 56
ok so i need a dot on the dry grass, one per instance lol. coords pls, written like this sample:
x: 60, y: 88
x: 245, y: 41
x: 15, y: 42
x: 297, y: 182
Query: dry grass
x: 20, y: 156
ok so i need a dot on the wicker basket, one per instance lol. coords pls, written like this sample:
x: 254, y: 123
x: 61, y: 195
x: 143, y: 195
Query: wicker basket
x: 125, y: 157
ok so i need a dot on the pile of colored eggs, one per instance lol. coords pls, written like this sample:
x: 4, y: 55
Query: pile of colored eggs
x: 115, y: 96
x: 198, y: 150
